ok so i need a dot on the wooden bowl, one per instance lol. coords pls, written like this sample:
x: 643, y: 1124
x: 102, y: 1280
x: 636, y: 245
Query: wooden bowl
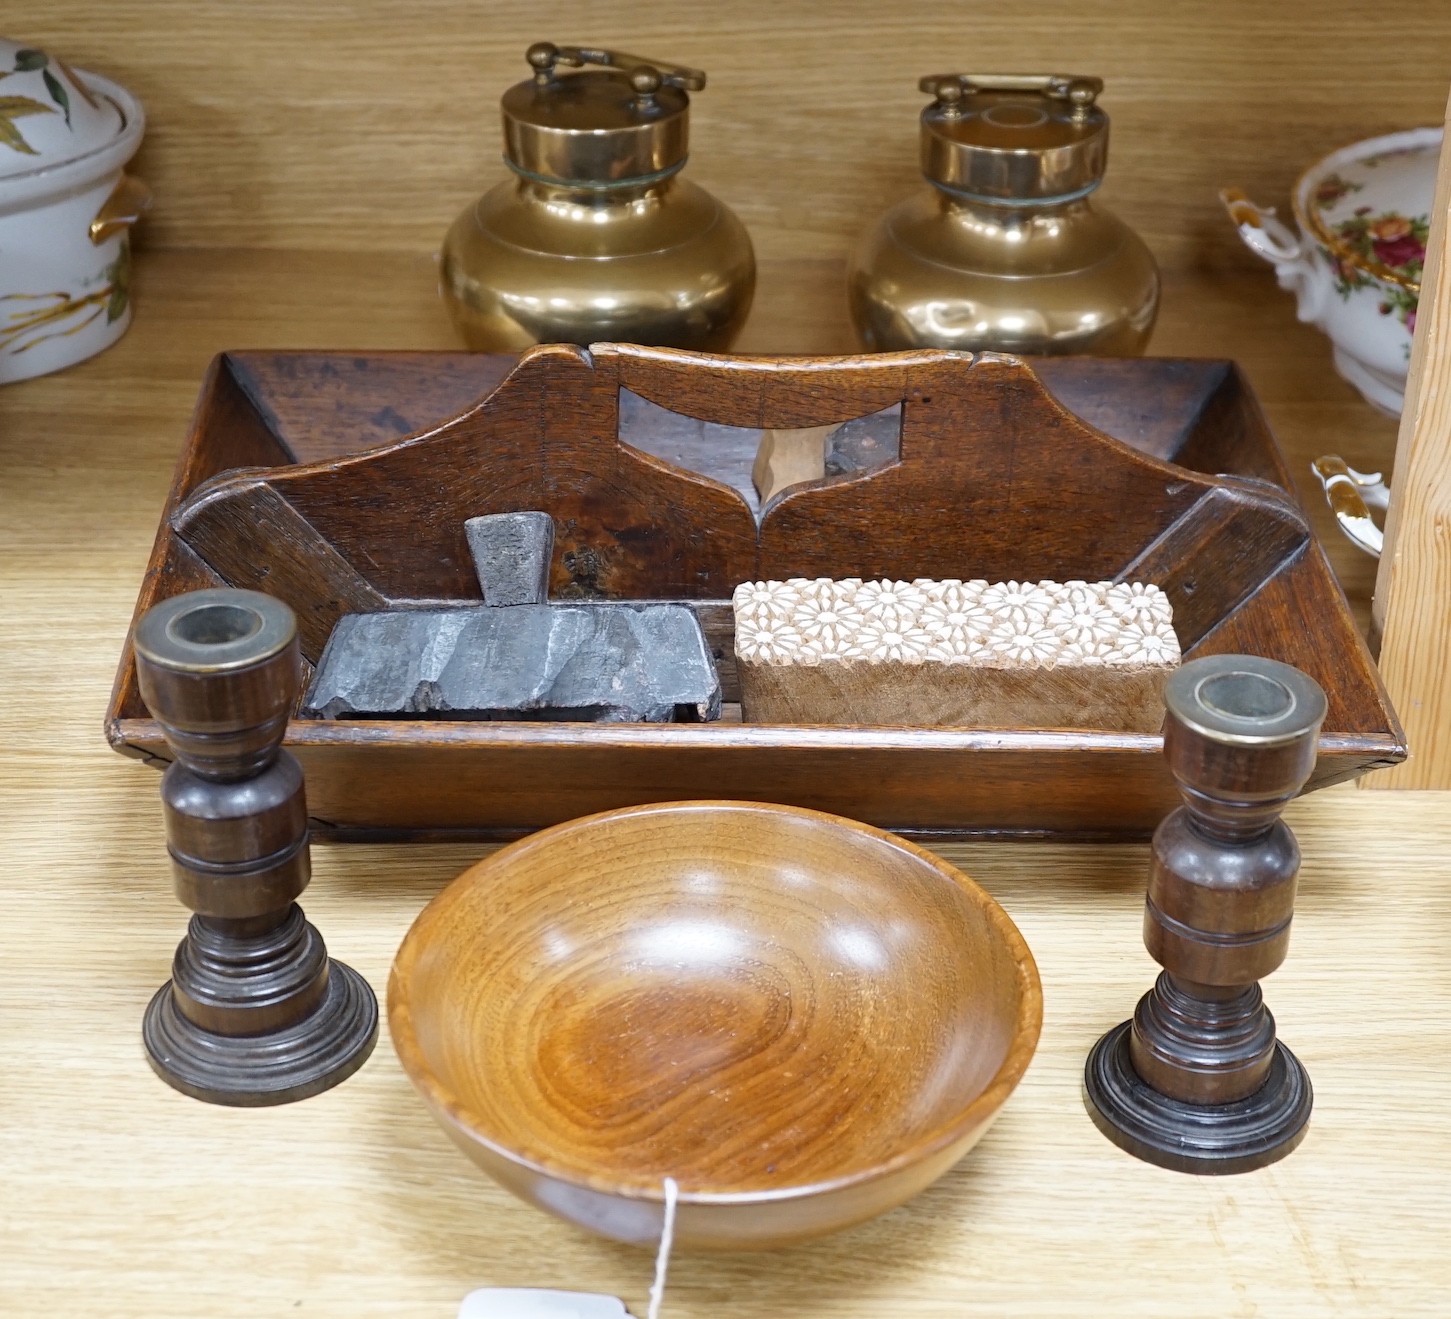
x: 802, y: 1019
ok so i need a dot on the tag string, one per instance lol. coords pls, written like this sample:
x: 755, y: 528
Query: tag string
x: 662, y: 1256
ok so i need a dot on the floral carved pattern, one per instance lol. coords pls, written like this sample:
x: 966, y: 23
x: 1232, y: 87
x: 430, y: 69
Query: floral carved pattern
x: 1004, y: 624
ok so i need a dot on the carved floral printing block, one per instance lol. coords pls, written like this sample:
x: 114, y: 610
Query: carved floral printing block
x: 955, y: 654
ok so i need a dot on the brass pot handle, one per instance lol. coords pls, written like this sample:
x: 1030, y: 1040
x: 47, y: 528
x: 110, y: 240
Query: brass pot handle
x: 647, y: 75
x: 1351, y: 495
x: 1079, y: 89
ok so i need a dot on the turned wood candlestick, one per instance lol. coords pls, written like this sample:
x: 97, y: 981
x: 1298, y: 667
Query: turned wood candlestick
x: 1197, y: 1080
x: 255, y: 1012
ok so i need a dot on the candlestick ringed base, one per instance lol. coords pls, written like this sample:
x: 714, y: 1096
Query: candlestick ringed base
x: 256, y: 1071
x: 1213, y: 1139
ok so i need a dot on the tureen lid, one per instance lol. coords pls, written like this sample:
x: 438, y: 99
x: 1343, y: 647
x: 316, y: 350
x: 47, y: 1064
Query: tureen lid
x: 1014, y: 138
x: 621, y: 122
x: 51, y: 115
x: 1370, y: 203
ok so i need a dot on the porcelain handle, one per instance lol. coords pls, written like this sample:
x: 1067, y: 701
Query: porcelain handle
x: 1261, y: 231
x: 1351, y: 495
x: 1266, y: 237
x: 128, y: 200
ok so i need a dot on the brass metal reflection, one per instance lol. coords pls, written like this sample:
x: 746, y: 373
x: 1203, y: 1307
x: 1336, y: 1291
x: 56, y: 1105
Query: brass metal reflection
x: 1004, y: 248
x: 597, y: 237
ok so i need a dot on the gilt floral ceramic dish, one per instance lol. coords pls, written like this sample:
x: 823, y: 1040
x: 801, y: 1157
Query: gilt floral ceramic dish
x: 1363, y: 214
x: 66, y: 207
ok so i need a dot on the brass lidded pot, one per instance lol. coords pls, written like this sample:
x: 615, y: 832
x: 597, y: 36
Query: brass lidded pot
x: 1005, y: 249
x: 597, y: 237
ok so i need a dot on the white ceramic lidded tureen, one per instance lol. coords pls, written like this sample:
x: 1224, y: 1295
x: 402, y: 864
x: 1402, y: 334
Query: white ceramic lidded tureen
x: 1363, y: 214
x: 66, y: 207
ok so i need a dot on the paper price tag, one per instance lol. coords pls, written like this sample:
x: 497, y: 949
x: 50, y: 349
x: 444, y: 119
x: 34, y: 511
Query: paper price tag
x: 542, y: 1303
x: 538, y: 1303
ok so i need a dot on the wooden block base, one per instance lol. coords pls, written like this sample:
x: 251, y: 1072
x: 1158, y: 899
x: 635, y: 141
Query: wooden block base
x: 1214, y: 1139
x: 256, y: 1071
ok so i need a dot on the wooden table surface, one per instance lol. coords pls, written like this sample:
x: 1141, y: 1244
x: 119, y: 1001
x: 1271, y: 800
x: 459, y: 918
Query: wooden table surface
x: 119, y: 1197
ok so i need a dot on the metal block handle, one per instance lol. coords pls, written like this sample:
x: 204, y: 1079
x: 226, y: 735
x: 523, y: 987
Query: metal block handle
x: 1081, y: 90
x: 648, y: 75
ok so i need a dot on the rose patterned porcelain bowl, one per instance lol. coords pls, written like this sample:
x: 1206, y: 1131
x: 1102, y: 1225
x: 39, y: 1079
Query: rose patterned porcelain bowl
x: 66, y: 206
x: 1362, y: 213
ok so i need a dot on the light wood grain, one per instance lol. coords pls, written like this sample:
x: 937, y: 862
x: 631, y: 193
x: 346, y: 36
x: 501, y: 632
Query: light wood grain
x: 355, y: 1204
x: 120, y: 1194
x: 788, y: 457
x: 1412, y: 605
x: 364, y: 124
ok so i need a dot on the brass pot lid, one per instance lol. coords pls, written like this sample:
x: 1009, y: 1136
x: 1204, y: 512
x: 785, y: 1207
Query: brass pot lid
x: 625, y: 121
x: 1020, y: 139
